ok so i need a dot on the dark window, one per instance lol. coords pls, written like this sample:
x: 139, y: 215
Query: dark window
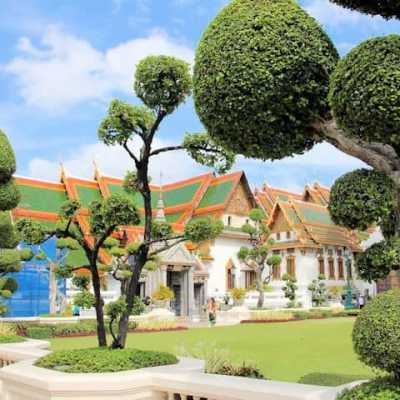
x: 340, y: 268
x: 291, y: 267
x: 331, y: 263
x: 287, y: 235
x: 321, y: 264
x: 250, y: 279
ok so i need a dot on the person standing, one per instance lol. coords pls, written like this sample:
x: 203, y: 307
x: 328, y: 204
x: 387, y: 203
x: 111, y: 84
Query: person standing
x: 361, y: 301
x: 212, y: 311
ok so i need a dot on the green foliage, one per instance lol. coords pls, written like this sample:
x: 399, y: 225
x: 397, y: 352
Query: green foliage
x: 376, y: 333
x: 41, y: 255
x: 133, y: 247
x: 8, y: 283
x: 26, y: 254
x: 31, y: 231
x: 364, y: 93
x: 67, y: 243
x: 243, y: 253
x: 162, y: 82
x: 131, y: 182
x: 249, y: 229
x: 163, y: 293
x: 318, y: 291
x: 9, y: 195
x: 205, y: 228
x: 69, y: 209
x: 257, y: 215
x: 377, y: 389
x: 114, y: 309
x: 245, y: 370
x: 290, y: 288
x: 64, y: 271
x: 384, y: 8
x: 111, y: 242
x: 11, y: 339
x: 150, y: 266
x: 117, y: 252
x: 84, y: 299
x: 104, y: 360
x: 238, y: 293
x: 378, y: 260
x: 160, y: 230
x: 9, y: 261
x: 138, y: 306
x: 261, y: 77
x: 123, y: 122
x: 118, y: 209
x: 360, y: 198
x: 81, y: 281
x: 274, y: 260
x: 205, y: 151
x: 39, y: 332
x: 7, y: 159
x: 9, y: 238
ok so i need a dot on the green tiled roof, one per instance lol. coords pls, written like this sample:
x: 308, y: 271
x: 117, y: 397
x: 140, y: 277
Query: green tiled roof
x: 312, y: 215
x: 293, y: 216
x: 41, y: 199
x: 283, y: 197
x: 216, y: 194
x: 173, y: 197
x: 172, y: 218
x: 87, y: 194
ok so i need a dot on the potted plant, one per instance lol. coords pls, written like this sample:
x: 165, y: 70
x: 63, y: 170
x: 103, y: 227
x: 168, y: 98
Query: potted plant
x: 162, y: 297
x: 238, y: 295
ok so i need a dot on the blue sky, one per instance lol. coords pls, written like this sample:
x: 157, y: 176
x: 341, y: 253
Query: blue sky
x: 62, y: 61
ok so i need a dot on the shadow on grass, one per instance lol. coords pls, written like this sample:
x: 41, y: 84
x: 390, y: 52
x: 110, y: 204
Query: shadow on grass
x: 323, y: 379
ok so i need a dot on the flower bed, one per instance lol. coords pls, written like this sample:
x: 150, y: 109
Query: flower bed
x: 297, y: 316
x: 104, y: 360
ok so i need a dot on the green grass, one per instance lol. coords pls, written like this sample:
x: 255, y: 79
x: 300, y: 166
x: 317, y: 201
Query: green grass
x: 11, y: 339
x: 312, y: 351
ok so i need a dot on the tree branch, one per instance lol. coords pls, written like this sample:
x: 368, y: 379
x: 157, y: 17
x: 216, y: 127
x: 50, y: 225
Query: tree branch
x: 132, y: 155
x: 379, y: 156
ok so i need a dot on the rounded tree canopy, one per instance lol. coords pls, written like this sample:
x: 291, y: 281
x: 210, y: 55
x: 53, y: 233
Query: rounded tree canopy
x: 7, y: 158
x: 9, y: 195
x: 9, y: 238
x: 361, y: 198
x: 378, y: 260
x: 376, y: 333
x: 364, y: 91
x: 385, y: 8
x: 261, y: 77
x: 162, y: 82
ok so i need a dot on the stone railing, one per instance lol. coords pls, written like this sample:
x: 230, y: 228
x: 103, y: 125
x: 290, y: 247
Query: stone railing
x: 184, y: 381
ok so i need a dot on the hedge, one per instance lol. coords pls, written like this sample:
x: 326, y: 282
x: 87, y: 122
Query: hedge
x: 104, y: 360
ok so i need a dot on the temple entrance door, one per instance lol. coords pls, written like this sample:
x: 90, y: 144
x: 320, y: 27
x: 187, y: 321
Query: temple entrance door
x: 174, y: 283
x: 176, y: 303
x: 198, y: 298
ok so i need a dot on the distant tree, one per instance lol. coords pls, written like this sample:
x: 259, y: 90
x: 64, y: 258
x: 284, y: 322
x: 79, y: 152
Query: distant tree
x: 268, y: 83
x: 290, y: 289
x: 162, y: 83
x: 10, y: 258
x: 256, y: 255
x: 319, y: 293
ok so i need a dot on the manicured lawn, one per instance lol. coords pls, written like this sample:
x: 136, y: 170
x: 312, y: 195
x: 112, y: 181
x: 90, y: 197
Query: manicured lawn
x: 318, y: 351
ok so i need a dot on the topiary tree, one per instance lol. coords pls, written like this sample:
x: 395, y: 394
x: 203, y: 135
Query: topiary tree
x: 256, y: 255
x: 162, y: 83
x: 268, y: 83
x: 10, y: 258
x: 376, y: 333
x: 104, y: 218
x: 290, y: 289
x: 319, y: 293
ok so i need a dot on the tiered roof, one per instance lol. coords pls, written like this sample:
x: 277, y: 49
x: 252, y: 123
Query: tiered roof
x: 306, y: 214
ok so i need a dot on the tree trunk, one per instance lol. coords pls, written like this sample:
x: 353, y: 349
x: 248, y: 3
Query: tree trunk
x: 99, y: 303
x: 260, y: 289
x: 52, y: 289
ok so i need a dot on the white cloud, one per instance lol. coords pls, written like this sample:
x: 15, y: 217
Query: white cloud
x: 114, y: 161
x: 65, y: 70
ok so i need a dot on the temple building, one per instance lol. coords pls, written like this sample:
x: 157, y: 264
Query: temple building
x: 305, y: 237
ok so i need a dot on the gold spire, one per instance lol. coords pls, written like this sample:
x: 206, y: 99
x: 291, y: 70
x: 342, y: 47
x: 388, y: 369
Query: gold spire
x: 160, y: 216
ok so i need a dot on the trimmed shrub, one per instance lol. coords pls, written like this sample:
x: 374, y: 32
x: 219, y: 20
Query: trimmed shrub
x: 378, y: 389
x: 7, y: 158
x: 261, y: 77
x: 11, y: 339
x: 39, y: 332
x: 104, y: 360
x: 385, y: 8
x: 245, y: 370
x: 364, y: 91
x: 376, y: 333
x: 9, y: 195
